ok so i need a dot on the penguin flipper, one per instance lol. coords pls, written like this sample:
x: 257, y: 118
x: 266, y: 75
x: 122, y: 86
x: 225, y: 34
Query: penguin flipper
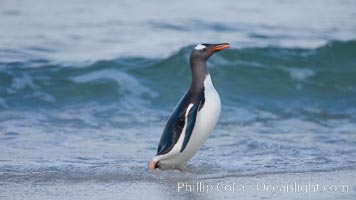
x: 173, y: 130
x: 192, y: 116
x: 176, y: 123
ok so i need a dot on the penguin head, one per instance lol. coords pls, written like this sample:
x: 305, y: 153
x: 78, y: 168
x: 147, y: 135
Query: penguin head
x: 203, y: 51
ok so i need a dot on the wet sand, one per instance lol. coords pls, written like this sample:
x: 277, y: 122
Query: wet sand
x: 174, y: 185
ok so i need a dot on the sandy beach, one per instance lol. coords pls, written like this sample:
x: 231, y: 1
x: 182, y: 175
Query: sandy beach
x: 175, y: 185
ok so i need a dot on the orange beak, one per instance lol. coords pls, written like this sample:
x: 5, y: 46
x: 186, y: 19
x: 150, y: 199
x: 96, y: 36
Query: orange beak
x: 151, y: 165
x: 220, y: 47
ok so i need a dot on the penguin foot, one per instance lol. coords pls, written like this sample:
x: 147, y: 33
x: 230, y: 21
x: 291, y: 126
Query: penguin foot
x: 151, y: 165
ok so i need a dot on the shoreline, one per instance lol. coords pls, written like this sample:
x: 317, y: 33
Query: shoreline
x: 173, y: 186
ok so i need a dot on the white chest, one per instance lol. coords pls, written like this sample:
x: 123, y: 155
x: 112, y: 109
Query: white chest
x: 206, y: 120
x: 208, y: 116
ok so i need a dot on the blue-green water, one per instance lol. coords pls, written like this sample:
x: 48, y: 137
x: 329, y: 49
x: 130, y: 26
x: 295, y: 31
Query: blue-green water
x: 85, y: 89
x: 312, y: 84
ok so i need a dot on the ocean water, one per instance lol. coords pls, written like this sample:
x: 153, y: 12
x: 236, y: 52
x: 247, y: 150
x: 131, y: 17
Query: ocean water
x: 86, y: 88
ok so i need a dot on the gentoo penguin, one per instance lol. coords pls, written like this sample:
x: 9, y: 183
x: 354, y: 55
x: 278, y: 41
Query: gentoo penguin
x: 193, y: 118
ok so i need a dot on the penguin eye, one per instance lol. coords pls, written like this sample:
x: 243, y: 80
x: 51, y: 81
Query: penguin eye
x: 204, y: 49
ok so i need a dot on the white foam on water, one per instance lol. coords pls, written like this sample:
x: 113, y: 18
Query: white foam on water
x: 22, y: 81
x: 127, y: 83
x: 44, y: 96
x: 300, y: 74
x: 113, y: 32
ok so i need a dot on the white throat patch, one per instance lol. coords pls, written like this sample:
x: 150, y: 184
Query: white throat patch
x: 199, y: 47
